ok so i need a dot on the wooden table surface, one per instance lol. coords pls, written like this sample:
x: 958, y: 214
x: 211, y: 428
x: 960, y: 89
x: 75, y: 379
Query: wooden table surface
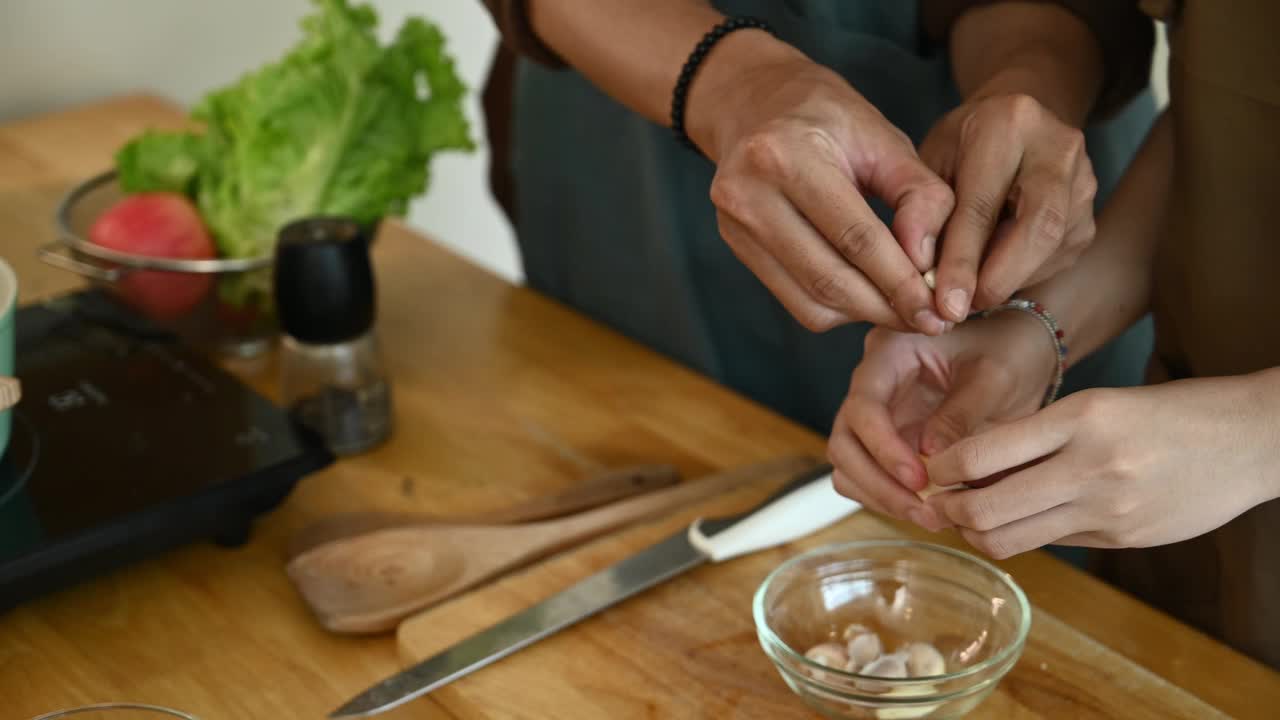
x: 501, y: 395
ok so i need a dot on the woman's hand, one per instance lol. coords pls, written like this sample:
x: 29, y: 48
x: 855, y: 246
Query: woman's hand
x: 1118, y: 468
x: 798, y: 151
x: 913, y: 395
x: 1024, y: 199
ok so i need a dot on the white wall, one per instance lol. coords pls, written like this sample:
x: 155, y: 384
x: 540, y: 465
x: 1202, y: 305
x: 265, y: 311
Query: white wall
x: 55, y: 53
x: 1160, y: 67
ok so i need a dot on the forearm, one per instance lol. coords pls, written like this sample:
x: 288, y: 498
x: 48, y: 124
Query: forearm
x: 1109, y: 287
x: 1265, y: 392
x: 1032, y: 48
x: 634, y: 50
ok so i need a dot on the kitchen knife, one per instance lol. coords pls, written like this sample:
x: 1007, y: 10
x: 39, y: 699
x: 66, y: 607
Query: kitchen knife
x: 806, y: 505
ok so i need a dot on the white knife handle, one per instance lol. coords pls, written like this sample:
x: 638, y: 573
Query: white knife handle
x: 803, y: 511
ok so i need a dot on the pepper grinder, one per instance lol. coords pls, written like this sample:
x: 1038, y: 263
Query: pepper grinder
x: 332, y: 378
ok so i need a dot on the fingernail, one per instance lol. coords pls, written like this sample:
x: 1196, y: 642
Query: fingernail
x: 957, y: 303
x: 927, y: 321
x: 906, y: 475
x: 927, y: 245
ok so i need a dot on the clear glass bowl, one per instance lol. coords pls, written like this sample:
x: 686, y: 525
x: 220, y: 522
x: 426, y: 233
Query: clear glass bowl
x: 118, y: 711
x: 906, y: 591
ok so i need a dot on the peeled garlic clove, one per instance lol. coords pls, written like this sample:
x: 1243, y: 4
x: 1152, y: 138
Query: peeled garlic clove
x: 886, y: 666
x: 853, y: 630
x: 830, y: 655
x: 924, y: 660
x: 908, y: 713
x: 827, y: 655
x: 864, y: 648
x: 931, y: 278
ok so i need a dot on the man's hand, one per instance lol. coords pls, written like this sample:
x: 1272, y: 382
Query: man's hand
x: 798, y: 151
x: 1030, y: 74
x: 1024, y: 199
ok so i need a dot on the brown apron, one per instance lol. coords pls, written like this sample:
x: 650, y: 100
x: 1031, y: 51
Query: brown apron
x: 1217, y: 300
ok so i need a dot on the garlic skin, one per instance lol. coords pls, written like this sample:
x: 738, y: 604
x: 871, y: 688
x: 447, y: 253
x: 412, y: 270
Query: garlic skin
x: 863, y: 649
x: 931, y: 489
x: 924, y: 660
x: 931, y: 278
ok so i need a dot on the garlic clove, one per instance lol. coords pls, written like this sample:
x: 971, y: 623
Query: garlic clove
x: 853, y: 630
x: 829, y: 654
x: 893, y: 667
x: 863, y: 649
x: 886, y: 666
x: 924, y: 660
x: 909, y: 712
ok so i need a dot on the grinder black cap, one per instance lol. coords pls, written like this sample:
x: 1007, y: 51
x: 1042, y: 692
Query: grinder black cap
x: 323, y: 280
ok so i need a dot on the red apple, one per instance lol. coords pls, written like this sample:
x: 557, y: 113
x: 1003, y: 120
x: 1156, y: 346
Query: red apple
x: 163, y: 225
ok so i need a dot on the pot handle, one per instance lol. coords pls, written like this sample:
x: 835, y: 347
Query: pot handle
x: 51, y: 254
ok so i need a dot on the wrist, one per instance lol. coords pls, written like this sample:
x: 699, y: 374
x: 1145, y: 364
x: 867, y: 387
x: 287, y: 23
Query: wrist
x: 1019, y: 343
x: 1095, y: 301
x: 1040, y: 75
x: 1065, y: 313
x: 720, y: 92
x: 1038, y: 49
x: 1042, y: 351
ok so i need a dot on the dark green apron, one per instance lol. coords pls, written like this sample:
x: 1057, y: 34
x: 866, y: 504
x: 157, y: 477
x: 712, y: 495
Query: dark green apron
x: 613, y: 217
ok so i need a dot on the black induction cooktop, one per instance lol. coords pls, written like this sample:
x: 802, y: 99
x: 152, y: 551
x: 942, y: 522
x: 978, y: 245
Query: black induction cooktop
x: 127, y: 444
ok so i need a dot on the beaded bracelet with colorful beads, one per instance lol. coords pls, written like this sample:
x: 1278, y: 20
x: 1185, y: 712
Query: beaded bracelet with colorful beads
x: 1038, y: 311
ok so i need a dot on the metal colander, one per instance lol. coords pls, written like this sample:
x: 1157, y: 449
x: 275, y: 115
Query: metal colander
x: 226, y: 318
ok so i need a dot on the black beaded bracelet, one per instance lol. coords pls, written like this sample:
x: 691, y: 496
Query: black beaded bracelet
x: 713, y: 36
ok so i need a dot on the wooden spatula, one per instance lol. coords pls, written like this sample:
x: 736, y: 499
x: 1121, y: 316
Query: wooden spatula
x: 369, y: 583
x: 602, y: 489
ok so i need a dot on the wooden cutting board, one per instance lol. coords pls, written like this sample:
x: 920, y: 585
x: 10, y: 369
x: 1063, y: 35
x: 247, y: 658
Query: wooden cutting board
x: 702, y: 622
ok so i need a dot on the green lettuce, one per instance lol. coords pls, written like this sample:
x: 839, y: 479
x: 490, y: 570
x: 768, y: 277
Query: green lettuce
x: 341, y: 125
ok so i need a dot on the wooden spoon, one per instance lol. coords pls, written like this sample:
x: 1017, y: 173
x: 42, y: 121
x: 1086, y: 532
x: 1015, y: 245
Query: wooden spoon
x: 10, y: 392
x: 369, y: 583
x: 595, y: 491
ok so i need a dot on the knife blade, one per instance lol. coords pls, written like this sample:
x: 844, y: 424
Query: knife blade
x: 806, y: 504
